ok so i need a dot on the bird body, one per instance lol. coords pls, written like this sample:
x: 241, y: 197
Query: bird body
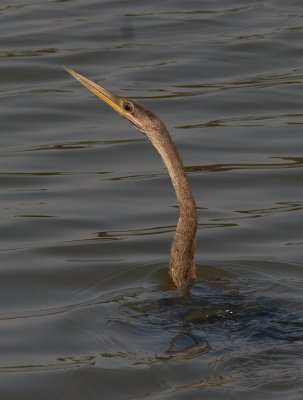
x: 182, y: 256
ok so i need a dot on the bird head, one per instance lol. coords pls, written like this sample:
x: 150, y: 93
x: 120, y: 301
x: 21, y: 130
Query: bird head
x: 138, y: 115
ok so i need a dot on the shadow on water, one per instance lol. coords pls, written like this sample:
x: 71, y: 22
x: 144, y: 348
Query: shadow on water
x: 213, y: 319
x: 144, y: 326
x: 216, y: 337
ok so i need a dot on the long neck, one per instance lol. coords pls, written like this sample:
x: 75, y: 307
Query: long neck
x: 182, y: 263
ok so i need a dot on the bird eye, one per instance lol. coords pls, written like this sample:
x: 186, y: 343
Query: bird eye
x: 128, y: 107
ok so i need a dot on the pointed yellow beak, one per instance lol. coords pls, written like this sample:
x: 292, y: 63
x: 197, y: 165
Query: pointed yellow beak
x: 109, y: 98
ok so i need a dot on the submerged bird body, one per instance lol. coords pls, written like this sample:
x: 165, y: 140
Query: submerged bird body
x: 182, y: 264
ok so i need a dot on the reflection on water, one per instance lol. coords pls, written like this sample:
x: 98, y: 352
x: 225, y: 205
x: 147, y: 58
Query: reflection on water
x: 88, y: 212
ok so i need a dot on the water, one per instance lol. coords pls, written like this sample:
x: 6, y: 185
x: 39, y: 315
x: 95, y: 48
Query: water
x: 88, y: 211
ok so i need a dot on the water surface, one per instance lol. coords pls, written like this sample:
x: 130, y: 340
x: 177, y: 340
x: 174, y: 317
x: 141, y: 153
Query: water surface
x: 88, y: 212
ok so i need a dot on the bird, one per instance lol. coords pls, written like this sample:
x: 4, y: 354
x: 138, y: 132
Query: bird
x: 182, y: 269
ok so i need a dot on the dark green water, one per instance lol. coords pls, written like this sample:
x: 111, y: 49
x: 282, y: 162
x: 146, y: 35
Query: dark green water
x: 88, y: 212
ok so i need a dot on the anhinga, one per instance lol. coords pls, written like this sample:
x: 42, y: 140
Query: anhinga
x: 182, y: 256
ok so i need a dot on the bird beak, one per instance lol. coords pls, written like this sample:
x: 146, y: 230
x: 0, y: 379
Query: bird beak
x: 109, y: 98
